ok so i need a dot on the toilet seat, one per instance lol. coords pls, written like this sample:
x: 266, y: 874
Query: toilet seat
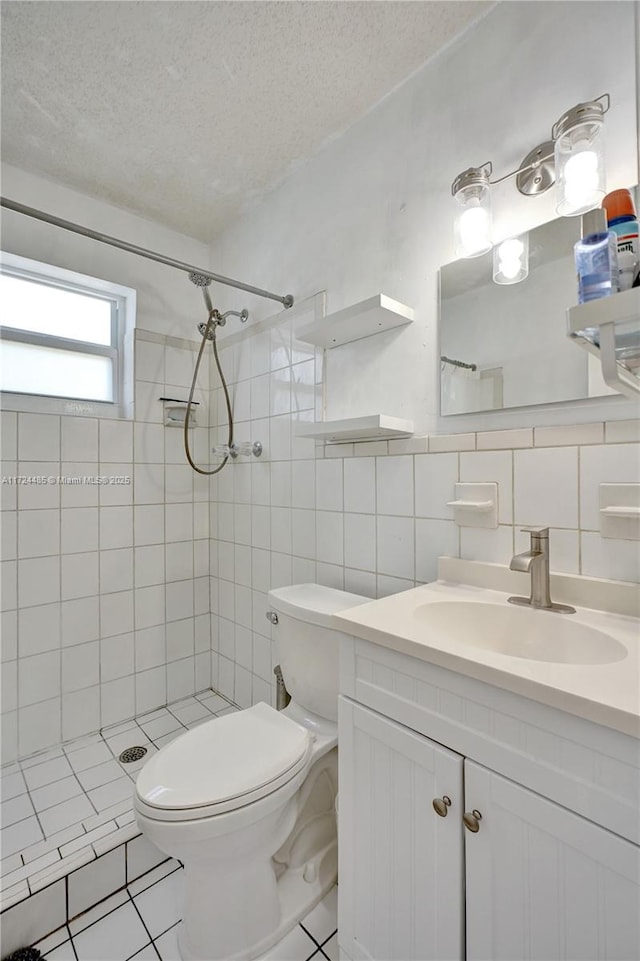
x: 222, y: 765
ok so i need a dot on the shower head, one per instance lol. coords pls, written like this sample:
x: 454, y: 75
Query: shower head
x: 202, y: 281
x: 199, y: 279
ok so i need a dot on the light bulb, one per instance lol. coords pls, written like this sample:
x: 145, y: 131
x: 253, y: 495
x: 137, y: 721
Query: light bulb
x: 511, y: 260
x: 510, y: 268
x: 474, y: 230
x: 582, y: 179
x: 511, y: 251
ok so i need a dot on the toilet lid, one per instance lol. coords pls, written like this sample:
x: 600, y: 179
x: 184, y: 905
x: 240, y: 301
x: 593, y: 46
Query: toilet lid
x: 226, y: 758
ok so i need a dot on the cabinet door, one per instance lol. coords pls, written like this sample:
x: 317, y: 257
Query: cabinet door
x: 400, y: 895
x: 544, y: 883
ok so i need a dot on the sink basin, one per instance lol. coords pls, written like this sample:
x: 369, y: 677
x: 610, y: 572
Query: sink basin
x: 519, y: 632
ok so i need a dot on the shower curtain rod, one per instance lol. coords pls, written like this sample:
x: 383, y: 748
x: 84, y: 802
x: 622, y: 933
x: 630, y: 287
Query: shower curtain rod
x: 458, y: 363
x: 286, y: 300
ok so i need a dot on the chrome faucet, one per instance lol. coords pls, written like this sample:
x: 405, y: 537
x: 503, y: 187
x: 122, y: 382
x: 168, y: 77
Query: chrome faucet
x: 536, y: 562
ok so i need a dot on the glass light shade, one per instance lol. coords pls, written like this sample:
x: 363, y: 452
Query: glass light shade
x: 580, y: 170
x: 472, y: 228
x: 511, y: 260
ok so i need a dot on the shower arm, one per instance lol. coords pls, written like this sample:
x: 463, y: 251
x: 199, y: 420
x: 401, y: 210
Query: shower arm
x: 216, y: 319
x: 285, y: 299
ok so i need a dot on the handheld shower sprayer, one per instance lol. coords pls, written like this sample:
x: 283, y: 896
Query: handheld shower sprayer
x: 216, y: 319
x: 208, y: 331
x: 201, y: 281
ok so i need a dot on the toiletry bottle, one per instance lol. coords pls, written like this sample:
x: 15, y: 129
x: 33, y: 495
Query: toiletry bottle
x: 622, y: 219
x: 596, y: 258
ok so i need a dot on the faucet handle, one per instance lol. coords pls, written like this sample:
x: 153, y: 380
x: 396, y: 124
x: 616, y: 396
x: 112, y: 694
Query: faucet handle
x: 537, y: 531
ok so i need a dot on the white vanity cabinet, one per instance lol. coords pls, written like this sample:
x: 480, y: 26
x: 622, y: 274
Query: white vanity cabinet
x: 543, y: 882
x: 553, y: 871
x: 401, y: 880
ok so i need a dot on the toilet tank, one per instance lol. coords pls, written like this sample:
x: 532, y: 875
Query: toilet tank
x: 307, y: 645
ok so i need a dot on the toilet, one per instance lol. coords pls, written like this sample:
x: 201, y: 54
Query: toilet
x: 247, y: 801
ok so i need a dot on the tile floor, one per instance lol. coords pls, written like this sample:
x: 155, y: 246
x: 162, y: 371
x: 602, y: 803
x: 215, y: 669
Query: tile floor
x: 140, y: 922
x: 75, y: 801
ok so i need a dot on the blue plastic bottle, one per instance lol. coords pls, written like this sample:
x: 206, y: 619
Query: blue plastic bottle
x: 596, y: 258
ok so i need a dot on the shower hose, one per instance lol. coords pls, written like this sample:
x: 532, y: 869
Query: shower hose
x: 209, y: 330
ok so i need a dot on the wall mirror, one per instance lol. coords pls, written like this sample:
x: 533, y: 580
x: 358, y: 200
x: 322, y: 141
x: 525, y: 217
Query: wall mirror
x: 505, y: 346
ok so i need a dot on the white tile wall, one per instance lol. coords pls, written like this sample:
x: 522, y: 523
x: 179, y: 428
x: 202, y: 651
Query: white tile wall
x: 435, y: 478
x: 118, y: 597
x: 372, y: 517
x: 546, y: 486
x: 394, y: 485
x: 86, y: 566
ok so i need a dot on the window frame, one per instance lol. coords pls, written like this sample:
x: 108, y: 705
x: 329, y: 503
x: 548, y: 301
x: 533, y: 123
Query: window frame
x: 119, y: 351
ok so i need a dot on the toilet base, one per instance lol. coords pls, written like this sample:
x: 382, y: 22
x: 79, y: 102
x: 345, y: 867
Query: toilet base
x: 299, y: 890
x: 236, y: 909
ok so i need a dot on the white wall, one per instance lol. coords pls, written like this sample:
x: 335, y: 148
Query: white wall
x: 373, y: 211
x: 166, y: 301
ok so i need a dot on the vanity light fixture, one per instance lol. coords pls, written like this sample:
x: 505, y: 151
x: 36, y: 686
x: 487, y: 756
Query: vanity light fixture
x: 573, y: 159
x: 511, y: 260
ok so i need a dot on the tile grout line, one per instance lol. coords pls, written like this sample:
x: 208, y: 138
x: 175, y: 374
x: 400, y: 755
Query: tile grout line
x: 326, y: 940
x: 73, y: 947
x: 35, y: 813
x: 135, y: 907
x: 315, y: 940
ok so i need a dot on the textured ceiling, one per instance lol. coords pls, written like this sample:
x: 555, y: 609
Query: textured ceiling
x: 185, y: 111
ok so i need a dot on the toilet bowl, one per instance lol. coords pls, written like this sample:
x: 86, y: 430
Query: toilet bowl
x: 247, y: 801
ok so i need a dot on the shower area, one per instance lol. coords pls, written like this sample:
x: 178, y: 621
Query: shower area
x: 144, y: 615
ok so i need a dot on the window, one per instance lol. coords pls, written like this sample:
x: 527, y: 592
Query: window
x: 65, y: 340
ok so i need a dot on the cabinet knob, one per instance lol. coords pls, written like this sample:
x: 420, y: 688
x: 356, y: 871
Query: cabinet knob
x: 440, y: 805
x: 472, y: 821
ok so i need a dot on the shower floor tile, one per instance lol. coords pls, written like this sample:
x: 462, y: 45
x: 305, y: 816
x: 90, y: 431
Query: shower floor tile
x: 75, y: 797
x: 143, y: 925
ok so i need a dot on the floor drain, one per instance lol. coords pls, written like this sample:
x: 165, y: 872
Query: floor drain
x: 132, y: 754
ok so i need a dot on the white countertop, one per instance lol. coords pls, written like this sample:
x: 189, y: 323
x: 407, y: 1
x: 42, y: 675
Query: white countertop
x: 605, y: 693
